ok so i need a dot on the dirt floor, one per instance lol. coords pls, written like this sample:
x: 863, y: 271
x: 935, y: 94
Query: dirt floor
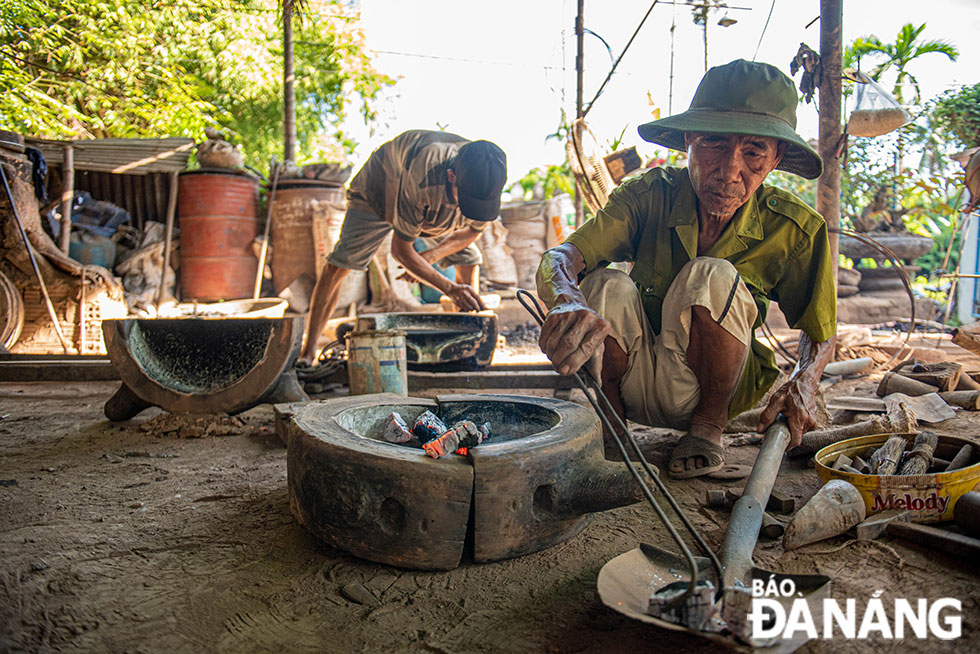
x: 119, y: 539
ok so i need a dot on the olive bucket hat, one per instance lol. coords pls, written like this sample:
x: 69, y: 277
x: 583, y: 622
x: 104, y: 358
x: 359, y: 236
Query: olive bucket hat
x: 742, y: 97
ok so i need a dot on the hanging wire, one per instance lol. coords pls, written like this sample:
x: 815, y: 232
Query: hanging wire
x: 616, y: 63
x: 764, y: 28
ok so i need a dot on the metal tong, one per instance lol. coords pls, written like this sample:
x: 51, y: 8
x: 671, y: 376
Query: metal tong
x: 620, y: 433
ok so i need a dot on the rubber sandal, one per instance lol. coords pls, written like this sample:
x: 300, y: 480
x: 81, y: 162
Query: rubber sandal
x: 689, y: 446
x: 731, y: 472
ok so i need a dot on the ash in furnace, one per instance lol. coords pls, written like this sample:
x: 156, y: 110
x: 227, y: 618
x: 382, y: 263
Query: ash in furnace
x: 525, y: 335
x: 431, y: 434
x: 194, y: 425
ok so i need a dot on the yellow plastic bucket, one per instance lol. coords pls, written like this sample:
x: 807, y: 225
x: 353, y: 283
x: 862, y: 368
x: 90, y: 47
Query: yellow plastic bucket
x: 929, y: 498
x: 376, y: 362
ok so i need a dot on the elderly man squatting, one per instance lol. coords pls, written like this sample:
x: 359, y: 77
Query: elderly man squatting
x: 673, y: 343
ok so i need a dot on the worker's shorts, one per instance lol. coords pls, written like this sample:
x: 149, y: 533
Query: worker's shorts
x: 659, y: 388
x: 362, y: 234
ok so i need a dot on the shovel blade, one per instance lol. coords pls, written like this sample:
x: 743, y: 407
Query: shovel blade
x: 626, y: 583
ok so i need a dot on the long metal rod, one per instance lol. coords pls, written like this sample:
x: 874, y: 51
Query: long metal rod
x: 622, y: 433
x: 30, y: 255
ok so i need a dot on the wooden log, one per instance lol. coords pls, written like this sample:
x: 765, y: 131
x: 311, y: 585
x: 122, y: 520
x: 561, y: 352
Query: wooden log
x: 944, y: 375
x: 967, y: 340
x: 895, y: 383
x: 967, y: 383
x: 821, y: 438
x: 962, y: 458
x: 885, y: 459
x: 969, y: 400
x: 919, y: 458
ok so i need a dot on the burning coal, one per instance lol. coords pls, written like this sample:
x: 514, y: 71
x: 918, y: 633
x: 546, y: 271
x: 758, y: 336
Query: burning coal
x: 431, y: 434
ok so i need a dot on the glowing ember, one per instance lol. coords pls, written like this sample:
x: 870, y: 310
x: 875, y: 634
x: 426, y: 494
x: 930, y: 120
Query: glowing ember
x: 431, y: 434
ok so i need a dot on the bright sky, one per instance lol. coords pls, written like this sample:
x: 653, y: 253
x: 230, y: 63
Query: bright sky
x: 503, y: 70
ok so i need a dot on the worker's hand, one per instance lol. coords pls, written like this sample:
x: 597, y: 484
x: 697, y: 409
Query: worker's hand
x: 572, y: 335
x: 465, y: 298
x: 797, y: 404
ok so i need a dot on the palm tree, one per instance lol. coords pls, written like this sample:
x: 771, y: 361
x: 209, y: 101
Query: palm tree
x: 899, y: 55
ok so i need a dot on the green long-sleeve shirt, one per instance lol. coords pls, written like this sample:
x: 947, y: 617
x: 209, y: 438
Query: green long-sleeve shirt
x: 778, y: 245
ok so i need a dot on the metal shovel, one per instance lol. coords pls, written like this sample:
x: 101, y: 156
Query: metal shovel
x: 627, y: 583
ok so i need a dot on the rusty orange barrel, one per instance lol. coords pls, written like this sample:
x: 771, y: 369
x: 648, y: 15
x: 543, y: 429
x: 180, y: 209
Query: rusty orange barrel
x: 218, y: 221
x: 299, y: 203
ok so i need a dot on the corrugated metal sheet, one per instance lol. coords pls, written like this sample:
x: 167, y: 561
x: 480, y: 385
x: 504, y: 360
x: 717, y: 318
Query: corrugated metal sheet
x: 143, y: 196
x: 120, y: 156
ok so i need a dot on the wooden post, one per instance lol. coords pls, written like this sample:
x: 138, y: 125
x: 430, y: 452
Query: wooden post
x: 579, y: 75
x: 168, y: 236
x: 289, y: 77
x: 67, y: 198
x: 828, y: 186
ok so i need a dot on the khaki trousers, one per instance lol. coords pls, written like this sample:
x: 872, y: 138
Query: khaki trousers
x: 659, y: 388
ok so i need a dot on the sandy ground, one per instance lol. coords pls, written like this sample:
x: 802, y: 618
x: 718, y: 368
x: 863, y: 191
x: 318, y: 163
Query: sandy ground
x: 117, y: 539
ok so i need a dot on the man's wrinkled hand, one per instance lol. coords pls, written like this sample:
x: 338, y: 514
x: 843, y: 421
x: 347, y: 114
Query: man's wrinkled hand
x: 465, y: 298
x: 572, y: 335
x: 799, y: 407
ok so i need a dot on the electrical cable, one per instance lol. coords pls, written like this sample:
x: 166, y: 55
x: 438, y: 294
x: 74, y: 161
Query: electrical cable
x: 616, y: 63
x: 764, y: 28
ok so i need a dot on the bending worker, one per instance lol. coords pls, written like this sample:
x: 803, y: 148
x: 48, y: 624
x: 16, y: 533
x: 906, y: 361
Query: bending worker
x: 673, y: 343
x: 419, y: 184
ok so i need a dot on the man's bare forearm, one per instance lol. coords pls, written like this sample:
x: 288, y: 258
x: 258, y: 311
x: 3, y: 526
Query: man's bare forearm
x: 813, y: 358
x: 558, y: 275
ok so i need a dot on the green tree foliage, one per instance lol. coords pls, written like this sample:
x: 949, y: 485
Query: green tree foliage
x: 122, y: 68
x: 957, y: 112
x: 898, y: 55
